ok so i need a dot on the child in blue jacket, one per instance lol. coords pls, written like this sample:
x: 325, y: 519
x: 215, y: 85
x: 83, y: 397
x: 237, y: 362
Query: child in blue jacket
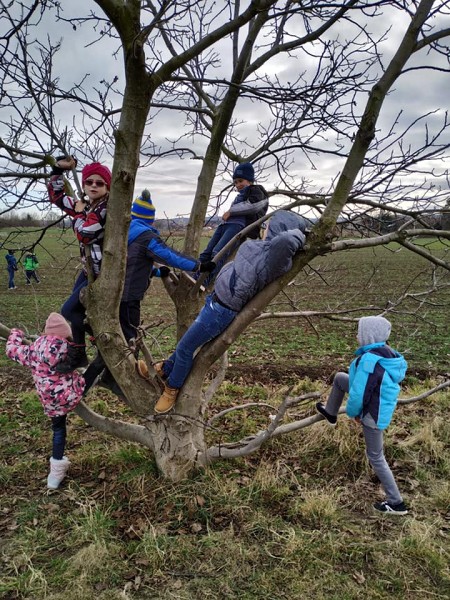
x: 11, y: 265
x: 373, y: 387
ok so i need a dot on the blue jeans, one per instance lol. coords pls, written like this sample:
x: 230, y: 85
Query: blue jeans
x: 223, y: 234
x: 74, y: 311
x: 11, y: 273
x: 211, y: 321
x: 59, y: 436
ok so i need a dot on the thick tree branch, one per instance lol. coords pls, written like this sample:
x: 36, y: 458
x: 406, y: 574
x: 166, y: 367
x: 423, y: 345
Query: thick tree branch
x: 125, y: 431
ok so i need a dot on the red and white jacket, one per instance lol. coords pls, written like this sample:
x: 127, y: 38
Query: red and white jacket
x: 59, y: 393
x: 89, y: 225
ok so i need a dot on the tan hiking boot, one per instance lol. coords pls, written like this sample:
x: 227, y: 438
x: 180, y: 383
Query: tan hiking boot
x: 167, y: 400
x: 142, y: 368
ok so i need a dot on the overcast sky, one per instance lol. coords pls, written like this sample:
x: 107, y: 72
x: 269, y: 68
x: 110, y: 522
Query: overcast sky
x: 172, y: 181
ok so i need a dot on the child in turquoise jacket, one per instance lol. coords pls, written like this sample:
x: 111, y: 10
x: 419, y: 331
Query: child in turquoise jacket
x: 373, y: 387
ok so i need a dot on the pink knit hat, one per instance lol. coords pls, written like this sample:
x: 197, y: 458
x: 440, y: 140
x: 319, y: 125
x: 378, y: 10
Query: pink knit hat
x: 57, y: 325
x: 96, y: 169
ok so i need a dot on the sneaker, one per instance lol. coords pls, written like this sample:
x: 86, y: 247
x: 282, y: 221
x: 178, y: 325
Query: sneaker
x: 331, y: 419
x: 391, y: 509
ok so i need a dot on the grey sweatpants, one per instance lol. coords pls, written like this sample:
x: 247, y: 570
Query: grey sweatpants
x: 372, y: 436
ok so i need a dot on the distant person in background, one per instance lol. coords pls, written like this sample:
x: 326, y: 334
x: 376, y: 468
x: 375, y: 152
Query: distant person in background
x: 250, y: 204
x: 372, y: 385
x: 11, y: 266
x: 58, y: 393
x: 88, y: 222
x: 256, y: 264
x: 30, y: 265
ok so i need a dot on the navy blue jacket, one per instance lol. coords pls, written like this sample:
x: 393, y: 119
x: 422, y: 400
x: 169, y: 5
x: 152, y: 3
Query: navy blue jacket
x: 145, y: 247
x: 12, y: 262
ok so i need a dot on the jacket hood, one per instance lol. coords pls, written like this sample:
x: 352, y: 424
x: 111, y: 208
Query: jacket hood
x: 395, y: 367
x: 373, y: 330
x: 284, y: 220
x: 392, y: 362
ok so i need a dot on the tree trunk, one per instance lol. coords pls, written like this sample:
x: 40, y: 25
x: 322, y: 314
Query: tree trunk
x: 179, y: 438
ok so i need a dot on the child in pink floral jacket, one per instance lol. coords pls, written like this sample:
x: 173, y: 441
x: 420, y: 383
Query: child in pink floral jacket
x: 59, y: 393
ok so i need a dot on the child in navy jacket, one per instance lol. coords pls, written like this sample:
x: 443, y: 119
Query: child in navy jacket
x: 373, y: 387
x: 250, y: 204
x: 11, y: 265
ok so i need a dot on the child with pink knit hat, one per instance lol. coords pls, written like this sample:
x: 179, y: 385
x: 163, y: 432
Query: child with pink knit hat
x: 88, y: 221
x: 59, y: 393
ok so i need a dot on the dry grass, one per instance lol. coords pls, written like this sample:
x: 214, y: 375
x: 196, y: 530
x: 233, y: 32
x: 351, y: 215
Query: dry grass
x: 293, y: 521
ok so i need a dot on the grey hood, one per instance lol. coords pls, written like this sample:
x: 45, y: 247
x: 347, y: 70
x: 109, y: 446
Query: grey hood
x: 259, y: 262
x: 284, y: 220
x: 373, y: 330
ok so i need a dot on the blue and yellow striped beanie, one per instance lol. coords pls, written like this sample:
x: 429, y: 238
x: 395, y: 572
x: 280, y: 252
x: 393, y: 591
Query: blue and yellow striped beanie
x: 143, y: 208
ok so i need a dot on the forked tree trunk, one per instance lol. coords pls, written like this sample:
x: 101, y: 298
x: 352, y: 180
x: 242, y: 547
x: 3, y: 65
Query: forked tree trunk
x: 178, y: 439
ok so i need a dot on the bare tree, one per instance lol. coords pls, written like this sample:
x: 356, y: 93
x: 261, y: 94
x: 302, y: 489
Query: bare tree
x: 170, y: 53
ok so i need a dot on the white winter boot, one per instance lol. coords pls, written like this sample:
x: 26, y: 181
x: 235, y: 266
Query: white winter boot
x: 58, y: 470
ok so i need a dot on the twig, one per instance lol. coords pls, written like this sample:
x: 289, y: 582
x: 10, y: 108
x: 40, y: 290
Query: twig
x: 240, y: 407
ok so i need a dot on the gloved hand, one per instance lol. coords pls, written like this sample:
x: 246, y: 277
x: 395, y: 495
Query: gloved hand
x: 160, y: 271
x: 164, y: 271
x: 207, y: 266
x: 64, y: 163
x: 66, y: 160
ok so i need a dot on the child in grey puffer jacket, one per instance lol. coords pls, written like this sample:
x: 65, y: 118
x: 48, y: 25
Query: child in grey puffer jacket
x: 257, y: 263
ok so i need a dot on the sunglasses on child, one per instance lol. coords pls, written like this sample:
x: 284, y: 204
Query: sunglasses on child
x: 96, y: 182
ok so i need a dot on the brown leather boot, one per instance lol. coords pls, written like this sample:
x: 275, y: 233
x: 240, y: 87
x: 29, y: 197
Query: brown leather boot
x: 167, y: 400
x: 142, y: 369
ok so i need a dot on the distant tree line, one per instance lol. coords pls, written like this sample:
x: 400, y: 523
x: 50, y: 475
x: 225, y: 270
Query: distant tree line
x: 22, y: 219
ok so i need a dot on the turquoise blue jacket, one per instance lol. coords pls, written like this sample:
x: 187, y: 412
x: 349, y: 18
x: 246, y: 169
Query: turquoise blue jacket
x: 374, y: 378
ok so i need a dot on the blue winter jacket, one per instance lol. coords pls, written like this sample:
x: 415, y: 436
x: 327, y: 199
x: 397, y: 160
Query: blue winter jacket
x: 12, y: 262
x: 145, y: 247
x: 374, y: 378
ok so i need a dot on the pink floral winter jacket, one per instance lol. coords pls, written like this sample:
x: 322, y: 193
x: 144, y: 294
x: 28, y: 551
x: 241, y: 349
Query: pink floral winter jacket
x: 59, y: 393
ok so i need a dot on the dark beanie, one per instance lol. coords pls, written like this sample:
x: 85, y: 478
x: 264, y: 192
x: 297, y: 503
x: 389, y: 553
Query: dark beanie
x: 244, y: 171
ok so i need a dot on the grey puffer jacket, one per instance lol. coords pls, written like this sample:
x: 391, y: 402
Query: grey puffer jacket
x: 259, y: 262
